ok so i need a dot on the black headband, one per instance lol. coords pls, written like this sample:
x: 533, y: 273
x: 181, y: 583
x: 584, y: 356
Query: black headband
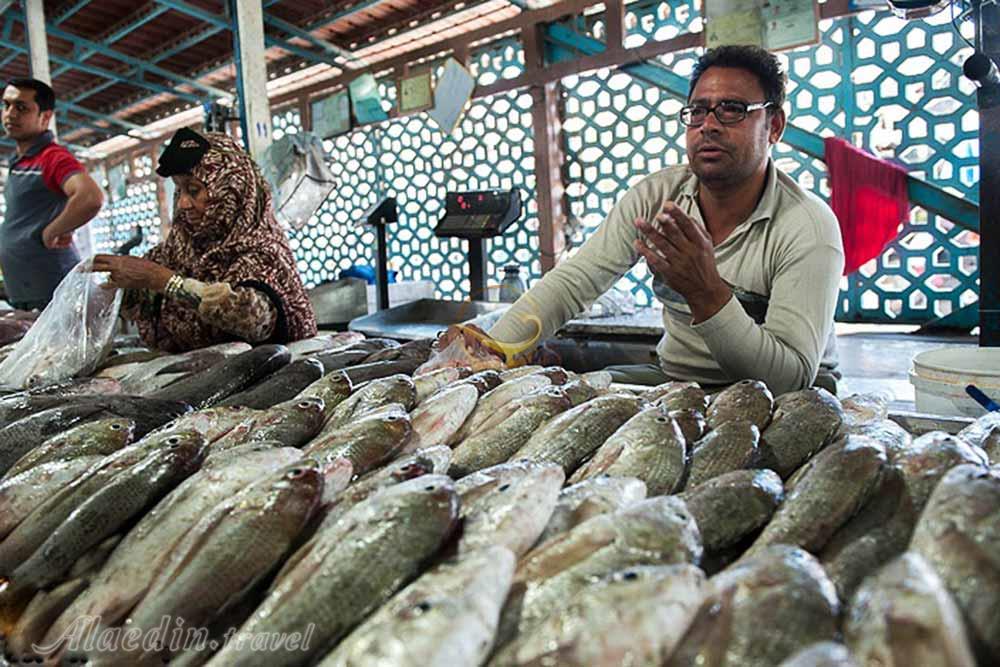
x: 183, y: 153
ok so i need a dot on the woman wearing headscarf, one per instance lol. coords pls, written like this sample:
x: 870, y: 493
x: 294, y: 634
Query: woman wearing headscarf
x: 225, y: 271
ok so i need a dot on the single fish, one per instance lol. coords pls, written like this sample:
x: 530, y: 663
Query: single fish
x: 905, y: 616
x: 653, y: 394
x: 427, y: 385
x: 861, y: 410
x: 205, y: 389
x: 323, y: 343
x: 589, y: 498
x: 373, y: 396
x: 574, y: 435
x: 492, y: 401
x: 445, y: 618
x: 437, y: 420
x: 747, y: 400
x: 685, y: 398
x: 354, y: 568
x: 515, y: 425
x: 803, y: 423
x: 761, y: 611
x: 367, y: 442
x: 653, y: 450
x: 507, y: 505
x: 280, y: 387
x: 96, y: 438
x: 958, y: 535
x: 985, y: 433
x: 293, y: 424
x: 734, y: 445
x: 733, y: 505
x: 825, y: 494
x: 632, y: 617
x: 334, y: 388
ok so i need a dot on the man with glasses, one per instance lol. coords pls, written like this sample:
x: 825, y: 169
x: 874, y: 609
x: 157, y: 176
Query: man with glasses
x: 746, y: 263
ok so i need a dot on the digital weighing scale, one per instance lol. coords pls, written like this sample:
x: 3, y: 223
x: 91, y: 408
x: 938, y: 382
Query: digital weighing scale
x: 475, y: 216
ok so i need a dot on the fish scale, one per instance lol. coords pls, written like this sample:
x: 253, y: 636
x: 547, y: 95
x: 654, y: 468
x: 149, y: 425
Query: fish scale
x: 140, y: 556
x: 655, y: 452
x: 502, y: 442
x: 367, y: 442
x: 827, y: 492
x: 572, y: 436
x: 347, y: 576
x: 38, y: 525
x: 22, y: 493
x: 749, y: 400
x: 102, y: 514
x: 445, y: 618
x: 96, y: 438
x: 732, y: 446
x: 231, y: 548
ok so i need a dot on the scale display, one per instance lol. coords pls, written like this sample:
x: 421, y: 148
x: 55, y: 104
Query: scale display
x: 480, y: 214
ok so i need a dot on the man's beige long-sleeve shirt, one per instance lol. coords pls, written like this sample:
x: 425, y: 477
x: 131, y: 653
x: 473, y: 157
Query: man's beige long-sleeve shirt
x: 783, y: 264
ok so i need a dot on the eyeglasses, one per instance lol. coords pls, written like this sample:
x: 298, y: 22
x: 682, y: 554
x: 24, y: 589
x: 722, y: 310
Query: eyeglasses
x: 726, y: 112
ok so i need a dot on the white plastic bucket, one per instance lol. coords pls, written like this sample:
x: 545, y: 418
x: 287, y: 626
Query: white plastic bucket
x: 939, y: 378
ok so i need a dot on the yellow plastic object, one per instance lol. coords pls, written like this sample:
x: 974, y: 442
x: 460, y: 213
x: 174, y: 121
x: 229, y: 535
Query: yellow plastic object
x: 509, y: 351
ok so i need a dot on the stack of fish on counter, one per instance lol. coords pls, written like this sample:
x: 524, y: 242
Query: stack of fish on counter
x: 325, y: 492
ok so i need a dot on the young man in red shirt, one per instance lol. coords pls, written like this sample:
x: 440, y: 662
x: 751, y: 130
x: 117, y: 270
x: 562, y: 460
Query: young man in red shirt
x: 49, y: 195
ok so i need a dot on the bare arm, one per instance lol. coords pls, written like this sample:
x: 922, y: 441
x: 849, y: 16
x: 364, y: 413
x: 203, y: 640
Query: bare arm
x: 85, y: 201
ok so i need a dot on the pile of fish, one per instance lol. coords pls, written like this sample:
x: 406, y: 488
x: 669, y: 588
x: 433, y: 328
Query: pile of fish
x: 319, y: 504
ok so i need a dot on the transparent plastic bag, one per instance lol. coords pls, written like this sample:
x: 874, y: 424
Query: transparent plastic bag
x: 71, y: 336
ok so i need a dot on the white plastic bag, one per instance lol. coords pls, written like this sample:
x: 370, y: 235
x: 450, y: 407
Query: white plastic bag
x: 71, y: 336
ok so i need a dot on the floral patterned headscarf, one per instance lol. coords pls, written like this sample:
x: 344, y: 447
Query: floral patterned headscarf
x: 238, y: 241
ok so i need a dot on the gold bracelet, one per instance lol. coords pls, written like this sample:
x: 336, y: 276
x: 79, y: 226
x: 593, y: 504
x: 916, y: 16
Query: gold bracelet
x: 173, y: 285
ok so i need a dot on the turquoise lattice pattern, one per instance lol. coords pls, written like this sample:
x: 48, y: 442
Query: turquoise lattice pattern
x: 900, y: 69
x: 139, y: 208
x: 411, y: 159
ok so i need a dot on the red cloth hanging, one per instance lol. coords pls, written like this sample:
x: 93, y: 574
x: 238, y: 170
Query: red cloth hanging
x: 869, y: 198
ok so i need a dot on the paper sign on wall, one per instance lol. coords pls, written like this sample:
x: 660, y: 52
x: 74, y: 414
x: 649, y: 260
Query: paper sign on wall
x: 366, y: 100
x: 415, y: 92
x: 453, y: 91
x: 332, y: 115
x: 772, y: 24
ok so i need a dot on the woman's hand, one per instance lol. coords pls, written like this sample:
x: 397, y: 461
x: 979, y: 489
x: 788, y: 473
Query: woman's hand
x: 132, y: 272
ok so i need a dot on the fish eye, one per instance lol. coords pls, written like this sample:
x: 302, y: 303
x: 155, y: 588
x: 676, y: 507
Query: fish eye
x: 116, y: 427
x: 503, y: 487
x: 304, y: 404
x: 295, y: 473
x: 630, y: 576
x: 424, y: 606
x: 662, y: 420
x: 173, y: 440
x: 430, y: 488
